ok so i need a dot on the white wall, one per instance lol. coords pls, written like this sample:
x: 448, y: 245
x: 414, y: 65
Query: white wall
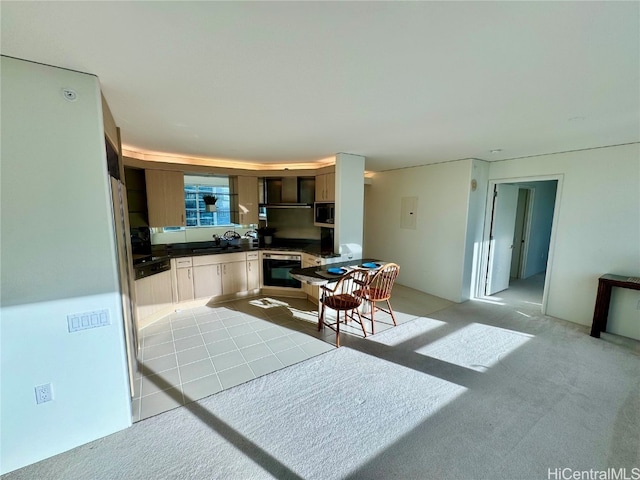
x: 58, y: 257
x: 541, y: 221
x: 598, y: 229
x: 432, y: 257
x: 597, y: 232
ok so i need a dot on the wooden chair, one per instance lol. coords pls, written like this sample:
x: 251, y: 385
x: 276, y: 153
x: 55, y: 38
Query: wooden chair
x: 340, y: 296
x: 378, y: 289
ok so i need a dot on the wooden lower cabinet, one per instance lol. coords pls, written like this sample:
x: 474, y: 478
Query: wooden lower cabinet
x: 253, y: 274
x: 185, y: 284
x: 253, y: 271
x: 312, y: 291
x: 200, y: 277
x: 207, y: 281
x: 153, y: 293
x: 234, y: 277
x: 223, y: 274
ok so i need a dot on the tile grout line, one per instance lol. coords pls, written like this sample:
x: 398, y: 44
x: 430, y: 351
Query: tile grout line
x: 178, y: 361
x: 273, y: 322
x: 270, y: 349
x: 241, y: 354
x: 215, y: 370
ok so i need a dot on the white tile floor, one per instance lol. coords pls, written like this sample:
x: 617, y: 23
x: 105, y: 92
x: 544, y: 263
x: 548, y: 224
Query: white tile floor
x: 191, y: 354
x: 195, y: 353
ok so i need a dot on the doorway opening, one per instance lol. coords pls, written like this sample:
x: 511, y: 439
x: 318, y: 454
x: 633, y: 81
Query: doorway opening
x: 518, y: 238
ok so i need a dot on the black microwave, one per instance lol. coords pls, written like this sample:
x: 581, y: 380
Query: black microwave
x: 324, y: 214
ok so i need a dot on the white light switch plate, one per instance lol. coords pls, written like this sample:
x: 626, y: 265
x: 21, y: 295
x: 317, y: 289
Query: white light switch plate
x: 86, y: 320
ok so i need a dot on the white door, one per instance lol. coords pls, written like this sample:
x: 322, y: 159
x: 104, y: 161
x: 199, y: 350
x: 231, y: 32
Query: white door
x: 519, y: 233
x: 503, y: 224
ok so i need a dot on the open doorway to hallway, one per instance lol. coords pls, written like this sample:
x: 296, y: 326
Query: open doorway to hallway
x: 518, y: 234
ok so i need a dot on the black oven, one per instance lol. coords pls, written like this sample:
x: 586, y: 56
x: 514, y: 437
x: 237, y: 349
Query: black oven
x: 276, y: 268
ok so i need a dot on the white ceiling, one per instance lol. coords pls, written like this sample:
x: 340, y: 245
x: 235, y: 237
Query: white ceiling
x: 401, y: 83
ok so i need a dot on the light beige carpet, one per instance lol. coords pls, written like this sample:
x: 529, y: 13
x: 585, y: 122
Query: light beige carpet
x: 473, y: 391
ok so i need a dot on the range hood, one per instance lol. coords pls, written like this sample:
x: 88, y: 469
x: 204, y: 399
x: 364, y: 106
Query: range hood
x: 289, y: 192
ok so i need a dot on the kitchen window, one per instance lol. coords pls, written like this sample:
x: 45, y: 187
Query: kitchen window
x: 196, y: 187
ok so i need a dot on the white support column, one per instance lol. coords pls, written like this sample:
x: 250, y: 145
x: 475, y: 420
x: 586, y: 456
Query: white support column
x: 349, y: 200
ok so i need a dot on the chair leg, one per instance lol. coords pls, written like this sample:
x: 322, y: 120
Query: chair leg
x: 321, y: 318
x: 337, y: 329
x: 393, y: 317
x: 361, y: 322
x: 373, y: 310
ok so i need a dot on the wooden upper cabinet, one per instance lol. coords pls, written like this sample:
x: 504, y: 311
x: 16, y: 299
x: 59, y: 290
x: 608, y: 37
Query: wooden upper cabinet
x: 109, y: 125
x: 331, y: 186
x: 326, y: 187
x: 248, y: 200
x: 165, y: 198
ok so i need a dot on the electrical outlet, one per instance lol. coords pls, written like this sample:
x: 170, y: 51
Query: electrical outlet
x: 44, y: 393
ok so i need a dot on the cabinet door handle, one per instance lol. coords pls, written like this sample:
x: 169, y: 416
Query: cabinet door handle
x: 189, y: 273
x: 218, y: 268
x: 249, y: 266
x: 224, y: 269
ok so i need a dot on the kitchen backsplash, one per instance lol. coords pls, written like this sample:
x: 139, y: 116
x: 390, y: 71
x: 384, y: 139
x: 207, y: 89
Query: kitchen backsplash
x: 197, y: 234
x: 293, y: 223
x: 290, y: 223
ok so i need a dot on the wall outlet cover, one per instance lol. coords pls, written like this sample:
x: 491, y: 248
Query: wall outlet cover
x: 44, y: 393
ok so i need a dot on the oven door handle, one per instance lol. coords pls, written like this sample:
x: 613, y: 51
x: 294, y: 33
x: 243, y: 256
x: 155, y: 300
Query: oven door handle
x: 269, y: 256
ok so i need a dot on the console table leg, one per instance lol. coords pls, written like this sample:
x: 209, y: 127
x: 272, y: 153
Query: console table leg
x: 601, y: 311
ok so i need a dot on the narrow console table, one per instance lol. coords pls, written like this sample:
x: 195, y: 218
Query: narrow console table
x: 603, y: 299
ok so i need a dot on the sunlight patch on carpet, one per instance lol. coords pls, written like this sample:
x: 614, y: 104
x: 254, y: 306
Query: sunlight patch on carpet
x: 380, y: 402
x: 408, y: 331
x: 476, y: 346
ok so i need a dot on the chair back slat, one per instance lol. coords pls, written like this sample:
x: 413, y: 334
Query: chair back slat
x: 348, y: 283
x: 382, y: 282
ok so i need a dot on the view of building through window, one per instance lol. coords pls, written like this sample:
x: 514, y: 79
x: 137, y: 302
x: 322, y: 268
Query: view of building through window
x: 195, y: 188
